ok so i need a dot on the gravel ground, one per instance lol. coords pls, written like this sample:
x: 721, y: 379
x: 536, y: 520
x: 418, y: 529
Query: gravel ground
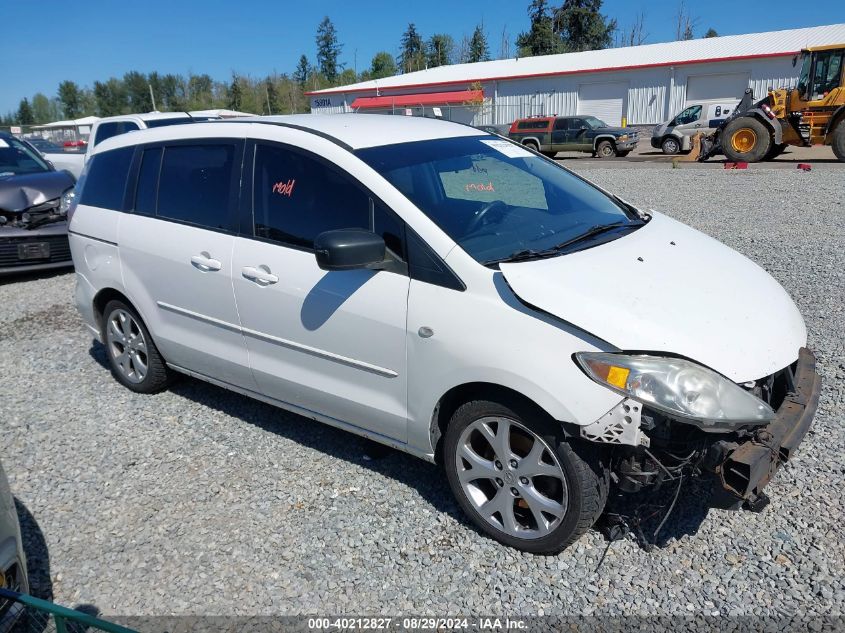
x: 200, y: 501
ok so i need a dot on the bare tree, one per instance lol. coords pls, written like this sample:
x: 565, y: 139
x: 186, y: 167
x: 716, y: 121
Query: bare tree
x: 685, y: 23
x: 505, y: 45
x: 634, y: 35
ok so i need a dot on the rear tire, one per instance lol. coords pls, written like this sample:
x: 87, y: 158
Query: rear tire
x: 549, y: 154
x: 532, y: 145
x: 538, y: 492
x: 134, y: 359
x: 605, y: 149
x: 670, y: 145
x: 838, y: 140
x: 746, y: 139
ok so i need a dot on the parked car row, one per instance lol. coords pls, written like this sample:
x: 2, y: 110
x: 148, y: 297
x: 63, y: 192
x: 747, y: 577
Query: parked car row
x: 361, y: 271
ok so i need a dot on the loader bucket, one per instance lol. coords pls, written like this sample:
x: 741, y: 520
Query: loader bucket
x: 695, y: 149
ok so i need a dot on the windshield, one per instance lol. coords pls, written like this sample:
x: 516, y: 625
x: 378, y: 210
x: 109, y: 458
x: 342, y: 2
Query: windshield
x: 493, y: 197
x: 595, y: 123
x: 19, y: 158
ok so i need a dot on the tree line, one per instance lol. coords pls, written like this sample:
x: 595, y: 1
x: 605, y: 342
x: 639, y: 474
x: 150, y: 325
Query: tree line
x: 572, y: 26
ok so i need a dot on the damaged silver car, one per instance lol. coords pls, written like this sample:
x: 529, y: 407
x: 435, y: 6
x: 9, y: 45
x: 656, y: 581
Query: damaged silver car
x: 34, y: 199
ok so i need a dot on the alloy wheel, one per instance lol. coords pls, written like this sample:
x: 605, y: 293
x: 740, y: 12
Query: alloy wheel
x: 127, y: 346
x: 512, y: 477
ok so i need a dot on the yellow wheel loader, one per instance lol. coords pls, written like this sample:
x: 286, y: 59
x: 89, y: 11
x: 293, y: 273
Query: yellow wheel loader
x: 811, y: 113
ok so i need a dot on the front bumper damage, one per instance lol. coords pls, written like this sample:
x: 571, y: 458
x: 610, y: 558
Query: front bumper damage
x: 741, y: 469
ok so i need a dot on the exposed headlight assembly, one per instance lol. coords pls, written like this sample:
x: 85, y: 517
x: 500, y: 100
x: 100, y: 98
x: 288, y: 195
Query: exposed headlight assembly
x: 66, y: 201
x: 677, y: 387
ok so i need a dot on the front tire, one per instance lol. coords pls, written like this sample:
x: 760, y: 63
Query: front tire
x: 605, y: 149
x: 519, y: 480
x: 746, y: 139
x: 670, y: 145
x: 134, y: 359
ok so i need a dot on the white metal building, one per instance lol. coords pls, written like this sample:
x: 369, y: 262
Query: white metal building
x: 639, y: 85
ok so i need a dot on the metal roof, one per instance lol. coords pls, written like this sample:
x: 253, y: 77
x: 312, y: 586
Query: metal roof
x: 727, y: 48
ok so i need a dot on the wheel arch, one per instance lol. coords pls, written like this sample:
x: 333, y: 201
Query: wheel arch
x: 531, y: 139
x: 604, y: 137
x: 458, y: 395
x: 835, y: 119
x: 101, y: 300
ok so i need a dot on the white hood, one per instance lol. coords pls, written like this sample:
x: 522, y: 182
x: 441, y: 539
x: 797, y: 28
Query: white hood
x: 690, y: 295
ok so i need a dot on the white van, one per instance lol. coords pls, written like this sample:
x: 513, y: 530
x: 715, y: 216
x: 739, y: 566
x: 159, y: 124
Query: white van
x: 673, y: 136
x: 450, y: 293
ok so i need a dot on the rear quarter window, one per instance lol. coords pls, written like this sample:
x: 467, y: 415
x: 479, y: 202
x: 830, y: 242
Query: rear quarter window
x: 541, y: 124
x: 105, y: 182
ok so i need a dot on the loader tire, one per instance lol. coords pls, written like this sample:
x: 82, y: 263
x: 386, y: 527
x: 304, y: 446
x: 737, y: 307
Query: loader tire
x: 776, y: 150
x: 746, y: 140
x: 838, y: 140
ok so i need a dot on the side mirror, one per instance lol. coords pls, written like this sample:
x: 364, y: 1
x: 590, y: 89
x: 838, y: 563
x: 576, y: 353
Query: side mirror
x: 349, y: 249
x: 583, y: 128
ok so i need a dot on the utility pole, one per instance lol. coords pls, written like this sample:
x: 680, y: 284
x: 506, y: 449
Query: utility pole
x: 152, y: 97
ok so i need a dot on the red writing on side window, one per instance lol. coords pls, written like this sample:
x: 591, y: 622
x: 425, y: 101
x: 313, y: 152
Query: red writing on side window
x: 479, y: 186
x: 284, y: 188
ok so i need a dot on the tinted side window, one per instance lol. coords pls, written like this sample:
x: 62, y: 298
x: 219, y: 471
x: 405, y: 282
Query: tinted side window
x: 146, y: 192
x: 105, y: 183
x: 561, y: 124
x: 113, y: 128
x: 296, y: 197
x: 195, y: 185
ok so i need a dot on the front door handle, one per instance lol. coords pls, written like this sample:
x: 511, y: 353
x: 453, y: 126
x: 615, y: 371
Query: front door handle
x: 260, y: 275
x: 205, y: 263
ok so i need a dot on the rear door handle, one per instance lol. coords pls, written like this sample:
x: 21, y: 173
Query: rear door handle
x: 261, y: 275
x: 205, y: 263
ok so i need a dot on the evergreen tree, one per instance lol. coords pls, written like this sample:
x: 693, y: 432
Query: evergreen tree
x: 234, y: 94
x: 582, y: 27
x: 25, y: 116
x: 711, y: 32
x: 439, y: 50
x: 328, y: 50
x: 541, y: 38
x: 478, y: 49
x: 41, y: 110
x: 383, y: 65
x: 70, y: 99
x: 412, y: 54
x: 138, y: 92
x: 110, y: 97
x: 303, y: 69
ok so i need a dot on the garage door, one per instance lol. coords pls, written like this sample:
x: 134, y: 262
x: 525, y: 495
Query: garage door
x: 722, y: 87
x: 605, y: 101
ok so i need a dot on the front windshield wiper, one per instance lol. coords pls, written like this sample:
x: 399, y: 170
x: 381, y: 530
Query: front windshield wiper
x: 528, y: 254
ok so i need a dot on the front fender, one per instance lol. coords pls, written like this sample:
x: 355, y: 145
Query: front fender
x: 773, y: 125
x: 603, y: 137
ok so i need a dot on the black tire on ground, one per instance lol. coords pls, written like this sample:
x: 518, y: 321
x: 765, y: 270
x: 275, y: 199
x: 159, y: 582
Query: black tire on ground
x: 583, y: 464
x: 746, y: 139
x: 158, y: 376
x: 838, y: 140
x: 605, y: 149
x: 670, y: 145
x: 532, y: 145
x: 775, y: 151
x: 623, y: 154
x: 549, y: 154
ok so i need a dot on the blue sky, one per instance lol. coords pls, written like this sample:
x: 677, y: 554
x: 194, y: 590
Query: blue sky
x: 48, y: 41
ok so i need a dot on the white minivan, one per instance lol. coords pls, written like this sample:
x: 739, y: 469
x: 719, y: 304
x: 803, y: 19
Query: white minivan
x: 674, y: 136
x: 449, y: 293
